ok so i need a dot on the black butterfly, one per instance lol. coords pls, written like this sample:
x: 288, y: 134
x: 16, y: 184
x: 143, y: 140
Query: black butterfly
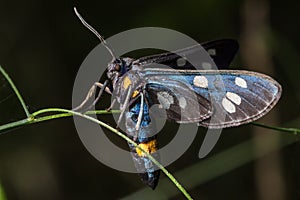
x: 186, y: 94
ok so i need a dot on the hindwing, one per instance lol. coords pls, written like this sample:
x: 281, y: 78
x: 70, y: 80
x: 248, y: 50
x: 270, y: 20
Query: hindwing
x: 221, y: 51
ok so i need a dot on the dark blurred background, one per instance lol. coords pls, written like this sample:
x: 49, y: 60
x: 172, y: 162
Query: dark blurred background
x: 42, y: 45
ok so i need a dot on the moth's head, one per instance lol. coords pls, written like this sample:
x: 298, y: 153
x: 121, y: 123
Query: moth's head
x: 114, y: 69
x: 117, y: 67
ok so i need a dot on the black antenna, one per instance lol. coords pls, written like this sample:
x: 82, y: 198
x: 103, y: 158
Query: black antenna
x: 95, y: 32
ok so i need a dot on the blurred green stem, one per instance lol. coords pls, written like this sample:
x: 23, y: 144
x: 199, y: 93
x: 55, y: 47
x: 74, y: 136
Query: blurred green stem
x: 2, y: 194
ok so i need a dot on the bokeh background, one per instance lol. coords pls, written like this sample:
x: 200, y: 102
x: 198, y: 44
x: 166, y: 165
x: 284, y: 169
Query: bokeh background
x: 42, y: 45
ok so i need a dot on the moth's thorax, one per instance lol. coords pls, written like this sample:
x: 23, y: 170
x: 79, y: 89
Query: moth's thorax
x: 130, y: 82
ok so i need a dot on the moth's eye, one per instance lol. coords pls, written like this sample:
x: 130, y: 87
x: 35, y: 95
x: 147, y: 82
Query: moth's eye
x: 117, y: 68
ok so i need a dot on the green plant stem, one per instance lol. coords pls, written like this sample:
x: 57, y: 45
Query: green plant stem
x: 31, y: 119
x: 14, y: 124
x: 16, y: 91
x: 290, y: 130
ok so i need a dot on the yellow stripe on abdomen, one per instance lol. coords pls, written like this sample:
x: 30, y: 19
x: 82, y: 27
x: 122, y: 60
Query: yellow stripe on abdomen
x: 150, y: 147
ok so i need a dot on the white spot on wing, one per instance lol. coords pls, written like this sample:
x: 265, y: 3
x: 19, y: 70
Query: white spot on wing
x: 180, y: 62
x: 240, y: 82
x: 234, y: 98
x: 182, y: 102
x: 228, y: 106
x: 165, y: 99
x: 212, y: 52
x: 206, y: 65
x: 200, y: 81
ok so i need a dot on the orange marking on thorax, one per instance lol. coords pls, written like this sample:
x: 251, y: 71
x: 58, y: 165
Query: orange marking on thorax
x: 126, y: 82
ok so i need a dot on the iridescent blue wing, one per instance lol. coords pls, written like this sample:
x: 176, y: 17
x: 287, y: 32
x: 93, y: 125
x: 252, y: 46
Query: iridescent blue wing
x: 221, y: 51
x: 224, y: 98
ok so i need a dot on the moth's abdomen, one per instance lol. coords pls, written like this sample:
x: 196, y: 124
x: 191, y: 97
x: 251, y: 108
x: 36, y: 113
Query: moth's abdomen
x: 145, y: 139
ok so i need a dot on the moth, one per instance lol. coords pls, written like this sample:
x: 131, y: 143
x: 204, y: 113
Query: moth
x: 211, y: 98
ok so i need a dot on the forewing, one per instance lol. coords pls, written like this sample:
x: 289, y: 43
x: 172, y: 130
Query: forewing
x: 235, y: 97
x: 177, y: 99
x: 221, y: 51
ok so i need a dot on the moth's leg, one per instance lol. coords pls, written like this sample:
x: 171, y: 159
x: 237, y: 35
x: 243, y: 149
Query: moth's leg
x: 99, y: 94
x: 91, y: 92
x: 125, y: 105
x: 111, y: 105
x: 140, y: 116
